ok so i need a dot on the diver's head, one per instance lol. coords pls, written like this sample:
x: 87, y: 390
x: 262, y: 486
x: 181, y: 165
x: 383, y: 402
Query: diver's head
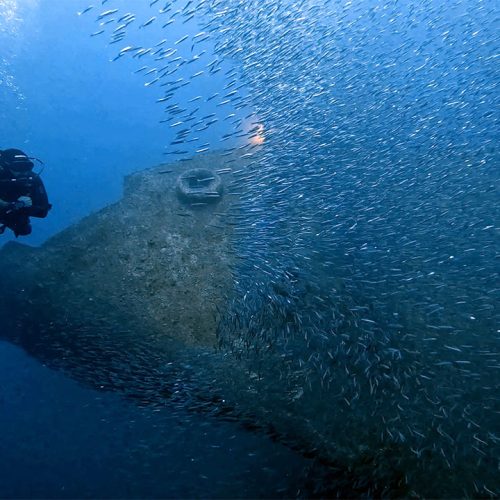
x: 17, y: 162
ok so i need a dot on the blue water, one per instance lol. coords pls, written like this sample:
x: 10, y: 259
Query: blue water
x: 62, y: 440
x: 90, y: 121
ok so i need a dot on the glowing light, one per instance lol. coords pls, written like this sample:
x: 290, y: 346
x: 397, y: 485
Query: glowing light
x: 257, y: 138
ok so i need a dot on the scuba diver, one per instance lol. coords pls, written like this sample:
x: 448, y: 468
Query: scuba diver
x: 22, y: 193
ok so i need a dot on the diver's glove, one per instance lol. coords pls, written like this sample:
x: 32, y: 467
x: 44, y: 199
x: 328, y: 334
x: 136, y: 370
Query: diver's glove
x: 22, y: 202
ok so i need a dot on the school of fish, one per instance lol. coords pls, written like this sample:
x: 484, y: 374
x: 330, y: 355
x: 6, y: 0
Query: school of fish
x: 366, y: 232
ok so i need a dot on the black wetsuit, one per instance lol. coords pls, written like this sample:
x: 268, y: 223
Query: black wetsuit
x: 11, y: 188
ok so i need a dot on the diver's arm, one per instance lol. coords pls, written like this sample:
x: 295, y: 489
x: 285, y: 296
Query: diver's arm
x: 38, y: 195
x: 22, y: 204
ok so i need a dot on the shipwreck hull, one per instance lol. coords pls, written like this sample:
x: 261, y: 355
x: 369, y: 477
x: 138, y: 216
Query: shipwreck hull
x: 138, y: 298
